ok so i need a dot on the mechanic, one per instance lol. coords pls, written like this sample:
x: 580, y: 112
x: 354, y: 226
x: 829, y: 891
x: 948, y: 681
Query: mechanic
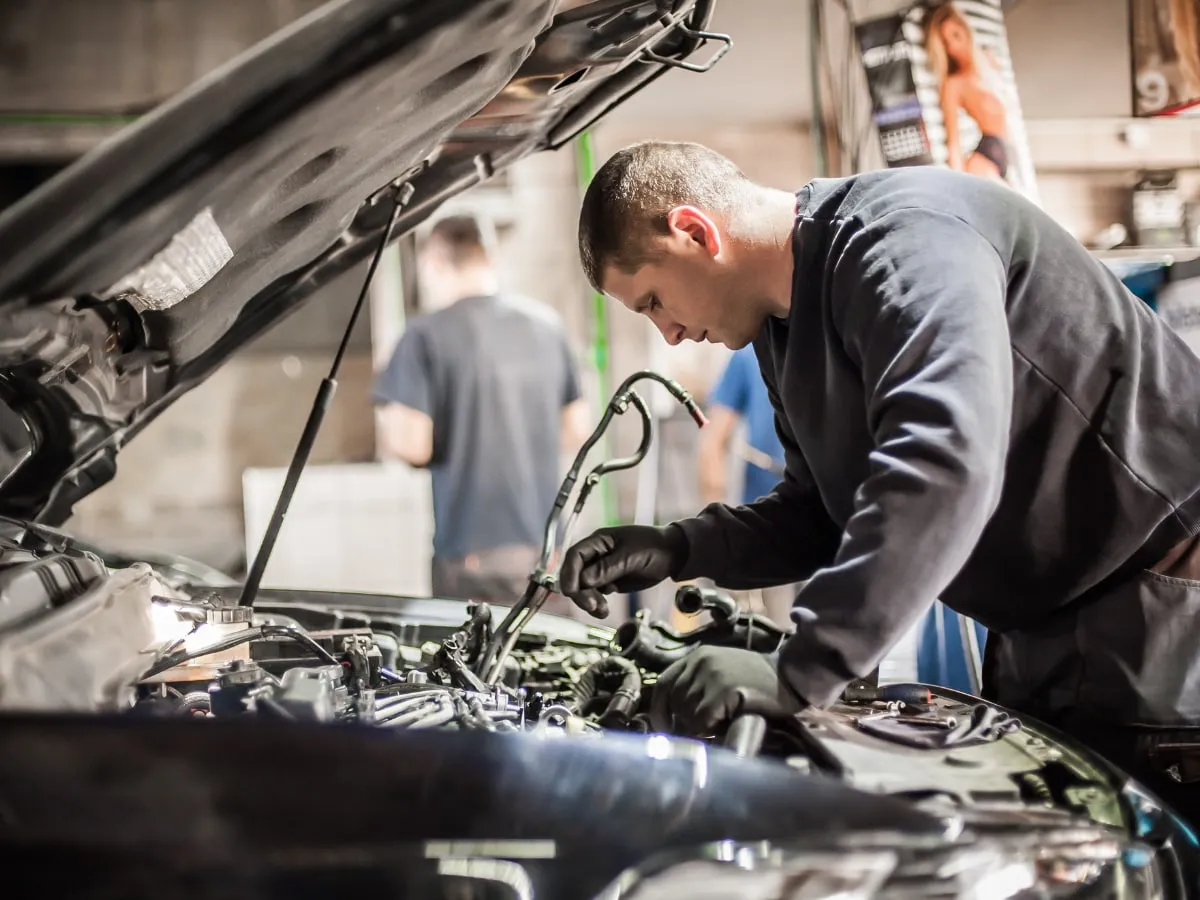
x: 971, y: 406
x: 484, y: 391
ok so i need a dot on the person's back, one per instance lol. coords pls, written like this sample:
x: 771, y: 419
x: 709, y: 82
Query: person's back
x: 1101, y: 445
x: 1083, y: 559
x: 501, y: 377
x: 483, y: 392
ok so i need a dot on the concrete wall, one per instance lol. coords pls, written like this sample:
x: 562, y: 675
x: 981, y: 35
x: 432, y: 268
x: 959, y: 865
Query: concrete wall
x: 1072, y: 58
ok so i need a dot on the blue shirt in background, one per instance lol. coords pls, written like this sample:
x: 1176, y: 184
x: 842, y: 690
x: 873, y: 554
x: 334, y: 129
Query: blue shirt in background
x: 741, y: 389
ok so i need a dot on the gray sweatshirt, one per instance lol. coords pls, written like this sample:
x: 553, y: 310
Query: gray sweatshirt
x: 972, y: 408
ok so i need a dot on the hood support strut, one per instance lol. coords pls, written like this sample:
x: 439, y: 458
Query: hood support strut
x: 402, y: 192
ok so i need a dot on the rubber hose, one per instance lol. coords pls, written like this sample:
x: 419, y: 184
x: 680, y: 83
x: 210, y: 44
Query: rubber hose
x: 415, y: 714
x: 442, y: 716
x: 640, y: 643
x: 618, y: 675
x: 386, y: 714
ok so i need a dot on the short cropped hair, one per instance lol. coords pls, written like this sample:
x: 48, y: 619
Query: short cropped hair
x: 462, y: 238
x: 627, y: 202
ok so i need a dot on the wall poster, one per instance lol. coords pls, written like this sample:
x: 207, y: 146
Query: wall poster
x: 1165, y: 37
x: 887, y: 57
x: 943, y: 90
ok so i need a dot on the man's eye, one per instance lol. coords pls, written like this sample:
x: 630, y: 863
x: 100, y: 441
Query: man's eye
x: 653, y: 305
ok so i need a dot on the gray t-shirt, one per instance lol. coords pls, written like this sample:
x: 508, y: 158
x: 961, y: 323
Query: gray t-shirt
x: 972, y: 407
x: 493, y: 373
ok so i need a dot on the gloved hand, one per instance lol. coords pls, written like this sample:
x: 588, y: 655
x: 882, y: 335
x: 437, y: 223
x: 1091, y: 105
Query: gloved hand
x: 710, y: 686
x: 619, y: 560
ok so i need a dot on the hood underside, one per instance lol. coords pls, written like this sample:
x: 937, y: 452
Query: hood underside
x: 135, y: 273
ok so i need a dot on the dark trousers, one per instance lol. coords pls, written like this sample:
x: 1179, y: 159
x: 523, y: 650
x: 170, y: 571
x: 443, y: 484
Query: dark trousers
x: 1119, y: 671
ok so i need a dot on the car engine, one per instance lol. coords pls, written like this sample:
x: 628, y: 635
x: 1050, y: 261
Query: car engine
x: 355, y: 661
x: 79, y: 635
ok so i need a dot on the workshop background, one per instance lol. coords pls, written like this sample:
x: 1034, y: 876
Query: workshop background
x: 788, y: 102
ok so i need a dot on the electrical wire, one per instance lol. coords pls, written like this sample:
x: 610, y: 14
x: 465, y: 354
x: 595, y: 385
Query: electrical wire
x: 240, y: 637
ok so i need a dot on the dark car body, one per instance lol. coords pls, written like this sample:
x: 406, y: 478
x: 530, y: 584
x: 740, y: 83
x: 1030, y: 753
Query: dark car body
x: 133, y: 274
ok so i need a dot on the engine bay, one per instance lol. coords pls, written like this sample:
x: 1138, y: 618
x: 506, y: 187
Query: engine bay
x: 79, y: 634
x: 128, y: 641
x: 928, y: 745
x: 132, y: 643
x: 196, y: 664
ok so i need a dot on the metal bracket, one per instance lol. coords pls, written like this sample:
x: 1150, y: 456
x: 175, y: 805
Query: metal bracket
x: 649, y: 56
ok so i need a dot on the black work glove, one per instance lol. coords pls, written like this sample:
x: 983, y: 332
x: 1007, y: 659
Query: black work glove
x: 619, y: 560
x: 711, y: 686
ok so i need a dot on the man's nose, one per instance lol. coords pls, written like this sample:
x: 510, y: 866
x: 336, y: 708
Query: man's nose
x: 672, y: 332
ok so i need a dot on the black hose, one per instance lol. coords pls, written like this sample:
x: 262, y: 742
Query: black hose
x: 692, y: 599
x: 655, y: 645
x: 640, y: 642
x: 503, y: 639
x: 615, y: 675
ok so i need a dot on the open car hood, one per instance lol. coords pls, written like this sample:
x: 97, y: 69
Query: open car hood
x: 132, y: 275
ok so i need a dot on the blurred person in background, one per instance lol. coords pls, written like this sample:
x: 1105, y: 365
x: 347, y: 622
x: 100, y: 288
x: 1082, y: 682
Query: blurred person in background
x: 740, y: 397
x: 484, y: 392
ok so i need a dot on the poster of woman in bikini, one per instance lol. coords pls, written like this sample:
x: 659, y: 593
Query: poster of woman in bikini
x: 964, y: 85
x: 974, y: 119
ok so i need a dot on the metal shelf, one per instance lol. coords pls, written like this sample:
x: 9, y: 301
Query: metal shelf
x: 1150, y: 254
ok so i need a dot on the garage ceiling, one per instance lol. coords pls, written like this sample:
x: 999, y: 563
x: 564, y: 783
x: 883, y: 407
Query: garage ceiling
x: 1085, y: 41
x: 749, y: 85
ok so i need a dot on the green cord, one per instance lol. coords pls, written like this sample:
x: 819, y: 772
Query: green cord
x: 65, y: 119
x: 585, y: 165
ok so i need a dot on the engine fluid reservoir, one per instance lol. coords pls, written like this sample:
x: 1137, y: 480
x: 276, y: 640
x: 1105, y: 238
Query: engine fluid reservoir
x: 219, y: 625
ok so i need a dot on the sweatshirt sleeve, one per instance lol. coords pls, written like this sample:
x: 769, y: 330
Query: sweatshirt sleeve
x: 920, y: 308
x: 778, y: 539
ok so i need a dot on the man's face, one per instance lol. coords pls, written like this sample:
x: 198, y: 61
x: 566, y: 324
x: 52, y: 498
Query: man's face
x: 690, y: 289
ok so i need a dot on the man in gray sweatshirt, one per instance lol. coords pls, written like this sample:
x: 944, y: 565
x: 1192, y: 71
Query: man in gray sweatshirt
x: 972, y: 408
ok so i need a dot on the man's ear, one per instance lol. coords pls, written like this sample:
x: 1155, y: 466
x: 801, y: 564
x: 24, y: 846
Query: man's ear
x: 697, y: 226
